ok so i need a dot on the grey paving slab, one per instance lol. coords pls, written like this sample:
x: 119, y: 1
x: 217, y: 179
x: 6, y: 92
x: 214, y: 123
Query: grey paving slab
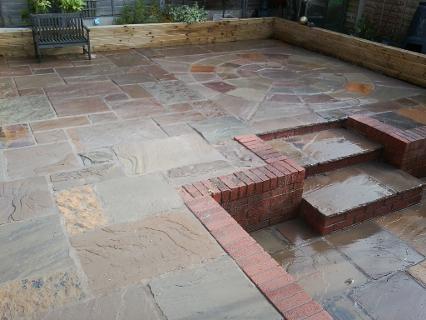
x: 133, y: 198
x: 38, y: 81
x: 170, y: 92
x: 164, y: 154
x: 131, y: 303
x: 343, y: 308
x: 92, y: 174
x: 108, y: 134
x: 219, y: 129
x: 24, y: 109
x: 375, y: 251
x: 396, y: 297
x: 321, y: 270
x: 122, y: 254
x: 25, y: 199
x: 217, y: 290
x: 32, y: 248
x: 40, y: 160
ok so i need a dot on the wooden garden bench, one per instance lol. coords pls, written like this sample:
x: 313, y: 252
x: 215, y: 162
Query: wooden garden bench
x: 58, y: 30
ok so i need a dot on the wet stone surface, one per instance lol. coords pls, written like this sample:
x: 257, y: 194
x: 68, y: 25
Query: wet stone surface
x: 397, y: 121
x: 382, y: 299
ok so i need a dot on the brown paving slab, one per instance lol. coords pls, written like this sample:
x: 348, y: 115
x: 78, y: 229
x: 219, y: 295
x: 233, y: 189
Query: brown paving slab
x: 84, y: 71
x: 38, y: 81
x: 131, y: 78
x: 128, y: 59
x: 59, y: 123
x: 77, y: 106
x: 419, y: 272
x: 79, y: 90
x: 137, y: 108
x: 40, y: 160
x: 81, y: 209
x: 417, y: 114
x: 222, y: 87
x: 397, y: 120
x: 43, y: 71
x: 6, y: 71
x: 119, y: 255
x: 31, y: 92
x: 135, y: 91
x: 15, y: 136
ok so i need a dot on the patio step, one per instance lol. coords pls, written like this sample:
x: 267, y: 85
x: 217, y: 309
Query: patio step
x: 327, y: 150
x: 343, y: 197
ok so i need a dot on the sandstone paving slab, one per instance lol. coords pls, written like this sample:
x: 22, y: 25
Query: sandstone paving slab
x: 99, y: 156
x: 25, y: 199
x: 59, y: 123
x: 219, y: 129
x: 79, y: 106
x: 40, y: 160
x: 217, y: 290
x: 24, y: 109
x: 81, y: 209
x: 199, y: 171
x: 270, y: 240
x: 78, y: 90
x: 84, y: 176
x: 38, y: 81
x: 409, y: 225
x: 131, y: 303
x: 51, y: 136
x: 7, y: 88
x: 30, y: 297
x: 170, y: 92
x: 320, y: 269
x: 102, y: 117
x: 137, y: 108
x: 395, y: 297
x: 108, y: 134
x: 238, y: 155
x: 32, y: 248
x: 419, y: 272
x: 6, y: 71
x: 165, y: 154
x: 375, y: 251
x: 132, y: 78
x: 15, y: 136
x: 133, y: 198
x: 296, y: 231
x: 84, y: 71
x: 123, y: 254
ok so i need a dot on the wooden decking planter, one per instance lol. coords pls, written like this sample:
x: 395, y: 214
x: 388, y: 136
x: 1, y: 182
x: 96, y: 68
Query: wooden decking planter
x: 394, y: 62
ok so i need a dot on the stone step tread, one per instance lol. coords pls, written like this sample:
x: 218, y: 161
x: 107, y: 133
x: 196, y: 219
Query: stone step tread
x: 324, y: 146
x: 336, y: 192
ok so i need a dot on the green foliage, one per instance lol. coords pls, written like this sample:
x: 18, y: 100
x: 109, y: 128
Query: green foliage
x: 138, y: 12
x: 39, y: 6
x: 186, y: 13
x: 364, y: 29
x: 72, y: 5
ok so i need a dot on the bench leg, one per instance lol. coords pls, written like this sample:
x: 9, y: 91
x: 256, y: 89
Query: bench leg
x: 37, y: 52
x: 89, y: 53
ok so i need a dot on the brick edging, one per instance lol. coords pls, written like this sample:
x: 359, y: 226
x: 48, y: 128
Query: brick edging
x: 269, y: 277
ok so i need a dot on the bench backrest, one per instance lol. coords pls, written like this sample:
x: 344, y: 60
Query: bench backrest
x: 58, y: 27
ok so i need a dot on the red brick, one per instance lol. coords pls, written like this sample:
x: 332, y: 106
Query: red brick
x: 250, y: 190
x: 303, y: 311
x: 258, y: 182
x: 224, y: 189
x: 238, y: 187
x: 213, y: 190
x: 268, y: 275
x: 297, y: 300
x: 273, y: 178
x: 202, y: 188
x: 266, y: 183
x: 185, y: 195
x: 281, y: 281
x: 252, y: 269
x: 245, y: 251
x: 192, y: 191
x: 323, y: 315
x: 284, y: 292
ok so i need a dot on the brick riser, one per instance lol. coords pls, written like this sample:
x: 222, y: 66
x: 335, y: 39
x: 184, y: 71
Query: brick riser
x: 404, y: 149
x: 325, y: 225
x: 343, y: 162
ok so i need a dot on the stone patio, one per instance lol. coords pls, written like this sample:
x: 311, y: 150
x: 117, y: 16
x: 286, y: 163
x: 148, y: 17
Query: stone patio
x: 92, y: 152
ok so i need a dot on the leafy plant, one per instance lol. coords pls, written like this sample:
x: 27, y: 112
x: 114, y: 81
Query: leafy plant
x: 187, y: 13
x: 365, y: 29
x: 39, y: 6
x: 138, y: 12
x: 72, y: 5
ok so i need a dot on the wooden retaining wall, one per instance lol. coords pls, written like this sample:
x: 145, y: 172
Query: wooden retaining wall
x: 18, y: 41
x: 394, y: 62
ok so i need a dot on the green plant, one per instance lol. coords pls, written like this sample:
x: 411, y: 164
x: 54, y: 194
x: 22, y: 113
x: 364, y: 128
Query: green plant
x: 187, y: 13
x: 72, y: 5
x: 365, y: 29
x: 39, y: 6
x: 138, y: 12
